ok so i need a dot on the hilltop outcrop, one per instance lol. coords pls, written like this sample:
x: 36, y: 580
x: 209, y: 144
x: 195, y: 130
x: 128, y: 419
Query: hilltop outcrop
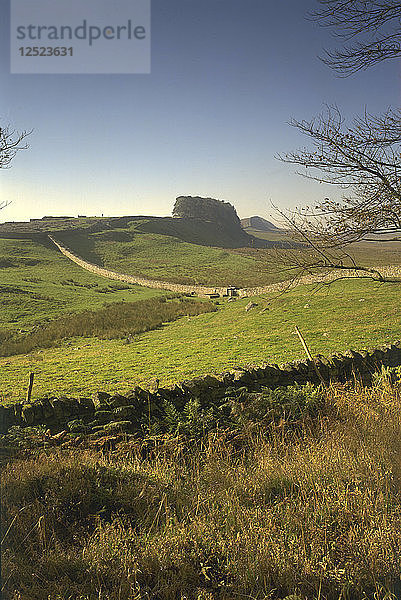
x: 206, y: 209
x: 219, y: 217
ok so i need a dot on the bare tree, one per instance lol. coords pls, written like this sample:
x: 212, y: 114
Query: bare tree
x: 371, y: 30
x: 363, y: 158
x: 10, y: 142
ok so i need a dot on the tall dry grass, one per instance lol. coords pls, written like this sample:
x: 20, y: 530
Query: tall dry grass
x: 312, y: 511
x: 117, y: 320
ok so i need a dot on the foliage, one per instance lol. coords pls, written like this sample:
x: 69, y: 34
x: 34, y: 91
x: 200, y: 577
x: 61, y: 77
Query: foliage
x: 192, y: 421
x: 263, y: 514
x: 284, y: 403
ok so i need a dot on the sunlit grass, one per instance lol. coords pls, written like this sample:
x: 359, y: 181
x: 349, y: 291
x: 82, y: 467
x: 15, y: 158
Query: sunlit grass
x: 346, y: 315
x: 264, y: 513
x: 37, y: 283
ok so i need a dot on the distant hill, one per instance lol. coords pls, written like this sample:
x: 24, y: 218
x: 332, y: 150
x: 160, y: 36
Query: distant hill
x: 259, y: 223
x: 202, y: 221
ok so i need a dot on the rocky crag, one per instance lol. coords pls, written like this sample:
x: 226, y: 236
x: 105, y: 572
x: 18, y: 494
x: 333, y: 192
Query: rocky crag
x: 206, y: 209
x: 221, y: 216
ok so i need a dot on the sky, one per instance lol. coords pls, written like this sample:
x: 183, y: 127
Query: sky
x: 226, y: 77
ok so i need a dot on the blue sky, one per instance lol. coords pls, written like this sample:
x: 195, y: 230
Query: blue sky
x: 226, y: 77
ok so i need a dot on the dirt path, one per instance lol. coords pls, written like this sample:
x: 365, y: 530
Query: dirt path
x: 388, y: 271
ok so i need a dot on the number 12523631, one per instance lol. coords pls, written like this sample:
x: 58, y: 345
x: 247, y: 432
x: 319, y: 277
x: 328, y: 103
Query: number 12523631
x: 46, y: 51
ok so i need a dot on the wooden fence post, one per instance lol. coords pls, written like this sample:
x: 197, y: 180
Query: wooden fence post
x: 29, y: 392
x: 309, y: 355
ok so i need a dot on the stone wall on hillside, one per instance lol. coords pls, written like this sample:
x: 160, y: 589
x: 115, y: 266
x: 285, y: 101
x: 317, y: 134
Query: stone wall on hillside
x: 392, y: 271
x: 106, y: 413
x: 163, y: 285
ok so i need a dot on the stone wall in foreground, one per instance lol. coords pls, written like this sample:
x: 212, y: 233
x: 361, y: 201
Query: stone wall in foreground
x: 107, y: 413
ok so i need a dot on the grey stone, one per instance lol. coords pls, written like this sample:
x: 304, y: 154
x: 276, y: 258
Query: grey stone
x: 118, y: 426
x: 85, y: 405
x: 38, y: 417
x: 100, y: 399
x: 139, y: 393
x: 118, y: 401
x: 70, y: 406
x: 18, y: 413
x: 77, y: 426
x: 28, y: 414
x: 126, y: 412
x: 58, y: 409
x: 103, y: 416
x: 48, y: 412
x: 4, y: 425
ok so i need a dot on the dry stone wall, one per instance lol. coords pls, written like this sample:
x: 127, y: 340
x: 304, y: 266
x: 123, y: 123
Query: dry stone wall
x: 391, y: 271
x: 164, y: 285
x: 105, y: 413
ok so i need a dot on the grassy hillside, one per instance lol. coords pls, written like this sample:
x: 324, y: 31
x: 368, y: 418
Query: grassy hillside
x: 351, y: 314
x: 37, y: 283
x: 168, y: 258
x: 161, y: 256
x: 182, y: 250
x: 197, y: 231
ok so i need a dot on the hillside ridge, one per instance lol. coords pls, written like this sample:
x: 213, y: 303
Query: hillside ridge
x: 259, y: 223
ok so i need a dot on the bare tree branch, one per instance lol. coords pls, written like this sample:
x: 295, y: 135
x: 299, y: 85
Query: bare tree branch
x: 365, y: 159
x: 10, y: 143
x: 371, y: 26
x: 320, y: 254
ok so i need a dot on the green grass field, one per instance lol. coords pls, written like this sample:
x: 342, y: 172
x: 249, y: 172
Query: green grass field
x: 166, y: 258
x: 159, y: 249
x: 348, y: 314
x: 38, y: 283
